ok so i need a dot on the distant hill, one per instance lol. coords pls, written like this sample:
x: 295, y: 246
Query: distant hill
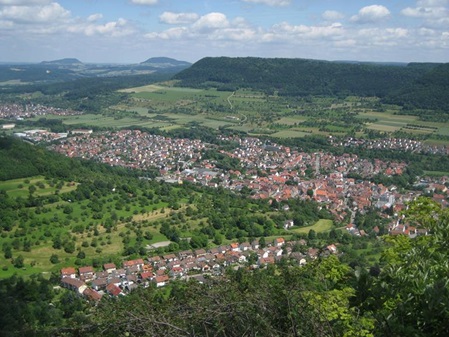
x: 65, y: 61
x: 69, y: 69
x: 303, y: 77
x: 165, y: 62
x: 430, y: 91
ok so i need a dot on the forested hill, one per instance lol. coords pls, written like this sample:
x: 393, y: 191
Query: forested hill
x: 430, y: 91
x: 301, y: 77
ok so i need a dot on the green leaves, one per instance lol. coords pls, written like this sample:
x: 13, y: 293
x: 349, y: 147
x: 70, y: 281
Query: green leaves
x: 414, y: 282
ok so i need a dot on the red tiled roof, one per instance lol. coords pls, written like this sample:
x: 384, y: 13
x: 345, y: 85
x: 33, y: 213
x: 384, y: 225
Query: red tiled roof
x: 113, y: 289
x: 87, y: 269
x: 68, y: 271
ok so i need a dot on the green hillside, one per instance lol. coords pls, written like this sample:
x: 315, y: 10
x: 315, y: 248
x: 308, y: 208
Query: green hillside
x: 430, y: 91
x: 416, y: 85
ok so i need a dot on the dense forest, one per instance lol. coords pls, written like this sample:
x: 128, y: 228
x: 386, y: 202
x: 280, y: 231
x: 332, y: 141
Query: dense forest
x: 416, y: 85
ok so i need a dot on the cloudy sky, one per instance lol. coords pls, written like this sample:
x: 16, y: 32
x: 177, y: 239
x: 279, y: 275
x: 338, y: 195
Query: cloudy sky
x: 130, y: 31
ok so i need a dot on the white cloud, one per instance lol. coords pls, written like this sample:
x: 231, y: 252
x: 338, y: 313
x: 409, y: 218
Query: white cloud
x: 55, y: 21
x: 169, y: 34
x: 144, y: 2
x: 94, y: 17
x: 43, y: 14
x: 285, y: 30
x: 210, y: 27
x: 332, y: 15
x: 211, y: 21
x: 383, y: 36
x: 24, y: 2
x: 233, y: 34
x: 371, y: 14
x: 113, y: 28
x: 6, y: 24
x: 432, y: 3
x: 178, y: 18
x: 271, y: 2
x: 433, y: 12
x: 426, y: 12
x: 426, y: 32
x: 345, y: 43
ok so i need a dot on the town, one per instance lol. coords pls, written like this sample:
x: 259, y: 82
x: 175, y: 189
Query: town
x: 266, y: 170
x: 198, y: 264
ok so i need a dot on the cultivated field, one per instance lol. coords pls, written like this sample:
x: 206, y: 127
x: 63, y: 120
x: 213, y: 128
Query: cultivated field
x: 166, y: 107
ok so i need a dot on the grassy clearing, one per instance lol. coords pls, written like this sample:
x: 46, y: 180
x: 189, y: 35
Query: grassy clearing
x: 322, y: 225
x: 437, y: 142
x: 443, y: 131
x: 21, y: 187
x: 436, y: 173
x: 155, y: 88
x: 290, y: 134
x: 13, y: 82
x: 291, y: 120
x: 112, y: 122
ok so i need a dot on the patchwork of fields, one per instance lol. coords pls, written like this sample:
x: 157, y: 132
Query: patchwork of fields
x: 168, y: 107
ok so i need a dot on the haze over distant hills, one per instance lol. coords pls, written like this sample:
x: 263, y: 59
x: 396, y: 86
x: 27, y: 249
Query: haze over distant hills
x: 165, y: 62
x: 65, y: 61
x: 72, y: 68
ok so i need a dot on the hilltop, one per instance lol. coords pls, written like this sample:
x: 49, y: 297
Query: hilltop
x: 68, y: 69
x: 65, y: 61
x: 165, y: 62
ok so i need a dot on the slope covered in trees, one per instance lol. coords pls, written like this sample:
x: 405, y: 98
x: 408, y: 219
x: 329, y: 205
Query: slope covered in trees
x: 431, y: 91
x: 407, y: 296
x: 419, y: 85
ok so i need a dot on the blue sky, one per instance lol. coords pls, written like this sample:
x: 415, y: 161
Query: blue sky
x: 131, y: 31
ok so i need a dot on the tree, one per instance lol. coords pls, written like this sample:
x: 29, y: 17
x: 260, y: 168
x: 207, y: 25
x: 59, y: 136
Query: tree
x: 69, y: 246
x: 413, y: 286
x: 7, y: 251
x: 218, y: 239
x: 262, y: 242
x: 54, y: 259
x: 19, y: 262
x: 198, y: 241
x: 311, y: 235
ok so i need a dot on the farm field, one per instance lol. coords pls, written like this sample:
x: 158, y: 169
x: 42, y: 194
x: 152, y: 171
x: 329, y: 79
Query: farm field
x: 167, y: 107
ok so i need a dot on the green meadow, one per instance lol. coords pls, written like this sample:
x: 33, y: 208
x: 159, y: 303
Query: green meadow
x: 39, y: 185
x: 320, y: 226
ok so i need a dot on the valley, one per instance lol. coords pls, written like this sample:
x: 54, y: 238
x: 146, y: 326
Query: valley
x: 181, y: 182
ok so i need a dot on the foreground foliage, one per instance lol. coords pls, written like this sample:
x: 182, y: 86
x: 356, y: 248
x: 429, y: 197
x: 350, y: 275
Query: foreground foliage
x: 407, y: 296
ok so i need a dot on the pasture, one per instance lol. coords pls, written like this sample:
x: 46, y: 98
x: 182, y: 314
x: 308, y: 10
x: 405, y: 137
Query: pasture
x: 322, y: 225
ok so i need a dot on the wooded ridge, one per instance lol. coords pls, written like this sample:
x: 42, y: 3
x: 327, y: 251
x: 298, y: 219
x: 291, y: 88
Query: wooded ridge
x: 415, y: 85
